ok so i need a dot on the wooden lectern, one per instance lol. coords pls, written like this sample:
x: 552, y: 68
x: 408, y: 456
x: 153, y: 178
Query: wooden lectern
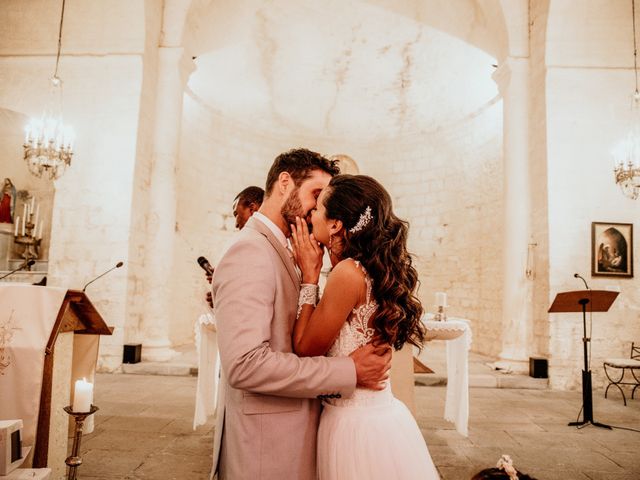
x: 50, y: 339
x: 577, y: 301
x: 78, y: 315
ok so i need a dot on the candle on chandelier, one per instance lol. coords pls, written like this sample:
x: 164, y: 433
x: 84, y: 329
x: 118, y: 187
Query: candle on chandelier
x: 441, y: 299
x: 82, y: 396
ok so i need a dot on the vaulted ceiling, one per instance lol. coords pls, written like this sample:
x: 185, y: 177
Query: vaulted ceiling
x: 352, y: 69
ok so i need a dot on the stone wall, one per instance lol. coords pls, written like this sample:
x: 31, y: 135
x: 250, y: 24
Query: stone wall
x: 12, y: 166
x: 589, y: 84
x: 447, y: 184
x: 101, y: 67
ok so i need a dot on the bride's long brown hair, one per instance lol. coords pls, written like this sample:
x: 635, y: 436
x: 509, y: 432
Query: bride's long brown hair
x: 380, y: 245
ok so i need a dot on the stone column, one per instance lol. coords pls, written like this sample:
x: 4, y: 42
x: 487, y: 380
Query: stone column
x: 172, y: 72
x: 162, y: 206
x: 512, y: 78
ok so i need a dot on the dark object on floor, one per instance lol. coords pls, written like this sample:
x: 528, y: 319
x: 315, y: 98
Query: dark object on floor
x: 132, y: 353
x: 538, y: 367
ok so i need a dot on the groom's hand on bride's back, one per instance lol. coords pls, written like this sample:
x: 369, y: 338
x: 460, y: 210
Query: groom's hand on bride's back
x: 372, y: 365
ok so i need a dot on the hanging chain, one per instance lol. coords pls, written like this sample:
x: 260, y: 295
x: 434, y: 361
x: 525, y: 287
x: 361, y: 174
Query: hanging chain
x: 55, y: 74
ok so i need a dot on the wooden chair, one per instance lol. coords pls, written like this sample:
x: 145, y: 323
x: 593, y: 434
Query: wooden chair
x: 621, y: 365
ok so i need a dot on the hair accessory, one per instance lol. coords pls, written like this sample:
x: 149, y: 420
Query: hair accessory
x: 363, y: 221
x: 505, y: 463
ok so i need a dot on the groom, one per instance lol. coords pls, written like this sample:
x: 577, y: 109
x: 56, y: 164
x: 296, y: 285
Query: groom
x: 268, y: 410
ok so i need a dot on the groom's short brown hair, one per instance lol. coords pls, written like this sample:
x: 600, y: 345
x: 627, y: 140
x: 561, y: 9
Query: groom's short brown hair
x: 299, y: 163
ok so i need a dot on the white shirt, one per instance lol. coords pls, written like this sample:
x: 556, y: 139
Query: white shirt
x: 273, y: 227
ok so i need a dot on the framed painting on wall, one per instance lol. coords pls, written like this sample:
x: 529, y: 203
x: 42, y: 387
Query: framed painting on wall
x: 611, y: 249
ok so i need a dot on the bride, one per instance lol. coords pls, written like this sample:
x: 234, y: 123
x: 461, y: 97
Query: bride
x: 369, y: 295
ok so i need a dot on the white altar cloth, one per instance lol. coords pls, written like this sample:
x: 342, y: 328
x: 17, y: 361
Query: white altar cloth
x: 457, y: 333
x: 26, y: 322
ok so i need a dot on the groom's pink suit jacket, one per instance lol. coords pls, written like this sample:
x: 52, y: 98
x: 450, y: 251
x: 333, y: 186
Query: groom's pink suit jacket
x: 268, y: 410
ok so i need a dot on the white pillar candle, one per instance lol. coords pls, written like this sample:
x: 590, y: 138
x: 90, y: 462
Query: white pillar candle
x: 24, y: 211
x: 15, y: 234
x: 441, y: 299
x: 82, y: 396
x: 24, y: 220
x: 89, y: 424
x: 33, y: 201
x: 40, y: 231
x: 35, y: 222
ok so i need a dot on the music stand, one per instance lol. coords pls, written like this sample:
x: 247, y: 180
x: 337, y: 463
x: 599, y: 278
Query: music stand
x: 598, y: 301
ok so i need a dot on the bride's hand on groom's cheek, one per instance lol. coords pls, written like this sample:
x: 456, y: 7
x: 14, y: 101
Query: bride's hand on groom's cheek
x: 307, y: 252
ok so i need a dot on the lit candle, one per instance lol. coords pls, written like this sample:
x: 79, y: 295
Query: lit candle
x: 15, y: 234
x: 35, y: 222
x: 82, y: 396
x: 441, y: 299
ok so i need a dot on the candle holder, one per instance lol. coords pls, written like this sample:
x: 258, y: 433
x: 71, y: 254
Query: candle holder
x: 74, y: 461
x: 441, y: 315
x: 29, y: 240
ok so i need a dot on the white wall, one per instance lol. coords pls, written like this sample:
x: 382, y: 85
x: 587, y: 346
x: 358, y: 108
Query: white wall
x: 447, y: 184
x: 587, y: 114
x: 14, y: 167
x: 101, y: 67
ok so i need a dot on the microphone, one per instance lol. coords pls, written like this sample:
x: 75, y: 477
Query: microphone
x: 24, y: 265
x: 206, y: 266
x: 576, y: 275
x: 118, y: 265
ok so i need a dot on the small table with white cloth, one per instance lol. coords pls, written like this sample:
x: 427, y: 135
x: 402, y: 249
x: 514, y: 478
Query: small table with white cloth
x: 208, y: 368
x: 457, y: 333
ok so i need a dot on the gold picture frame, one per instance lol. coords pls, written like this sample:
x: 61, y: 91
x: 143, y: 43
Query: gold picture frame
x: 611, y: 249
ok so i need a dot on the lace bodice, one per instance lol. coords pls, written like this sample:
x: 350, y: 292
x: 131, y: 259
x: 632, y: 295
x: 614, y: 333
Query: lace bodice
x: 356, y: 331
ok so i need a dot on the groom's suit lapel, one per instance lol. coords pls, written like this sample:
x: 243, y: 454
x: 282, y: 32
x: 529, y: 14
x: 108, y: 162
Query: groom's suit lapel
x: 279, y: 248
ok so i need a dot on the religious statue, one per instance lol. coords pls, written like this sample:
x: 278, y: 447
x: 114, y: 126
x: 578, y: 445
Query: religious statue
x: 7, y: 202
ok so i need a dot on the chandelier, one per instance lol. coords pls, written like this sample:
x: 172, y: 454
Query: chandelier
x: 48, y: 144
x: 627, y: 154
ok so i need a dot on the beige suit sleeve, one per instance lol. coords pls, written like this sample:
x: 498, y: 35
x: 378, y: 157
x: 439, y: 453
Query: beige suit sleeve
x: 244, y: 291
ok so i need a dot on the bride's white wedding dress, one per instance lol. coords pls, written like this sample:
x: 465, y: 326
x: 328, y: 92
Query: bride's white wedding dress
x: 372, y: 434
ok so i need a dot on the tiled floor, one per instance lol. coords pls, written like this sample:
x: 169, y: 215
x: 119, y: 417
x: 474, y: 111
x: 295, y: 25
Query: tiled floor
x: 144, y: 431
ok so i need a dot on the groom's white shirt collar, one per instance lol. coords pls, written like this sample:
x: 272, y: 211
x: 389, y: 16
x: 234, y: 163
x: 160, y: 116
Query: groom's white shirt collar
x: 273, y: 227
